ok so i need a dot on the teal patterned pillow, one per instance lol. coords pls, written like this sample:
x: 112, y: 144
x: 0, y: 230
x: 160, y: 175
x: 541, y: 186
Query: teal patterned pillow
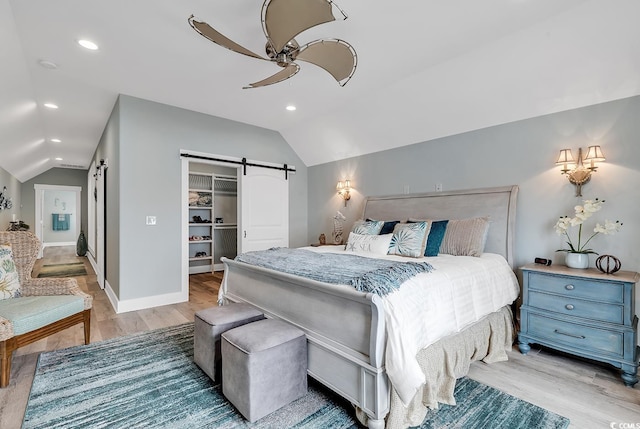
x: 370, y: 227
x: 9, y: 282
x: 409, y: 239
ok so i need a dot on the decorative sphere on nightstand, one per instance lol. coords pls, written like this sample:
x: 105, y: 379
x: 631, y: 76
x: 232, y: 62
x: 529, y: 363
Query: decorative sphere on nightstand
x: 608, y: 264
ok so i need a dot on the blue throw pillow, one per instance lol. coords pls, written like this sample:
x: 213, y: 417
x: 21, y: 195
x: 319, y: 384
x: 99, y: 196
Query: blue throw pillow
x: 436, y: 235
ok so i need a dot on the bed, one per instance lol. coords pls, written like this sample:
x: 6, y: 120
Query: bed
x: 347, y: 330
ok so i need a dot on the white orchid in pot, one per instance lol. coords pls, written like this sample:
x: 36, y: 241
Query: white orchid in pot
x: 578, y: 252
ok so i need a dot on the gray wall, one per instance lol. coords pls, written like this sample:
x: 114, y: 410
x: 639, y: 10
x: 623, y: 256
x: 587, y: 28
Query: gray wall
x: 13, y: 191
x: 55, y: 176
x: 521, y: 153
x: 148, y: 167
x: 109, y: 150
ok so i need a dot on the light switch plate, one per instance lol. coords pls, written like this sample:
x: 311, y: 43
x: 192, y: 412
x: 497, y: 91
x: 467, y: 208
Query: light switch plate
x: 151, y: 220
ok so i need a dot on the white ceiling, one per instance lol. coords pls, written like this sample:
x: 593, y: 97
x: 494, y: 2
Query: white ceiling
x: 426, y: 69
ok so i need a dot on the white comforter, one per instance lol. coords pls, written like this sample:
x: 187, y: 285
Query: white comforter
x: 460, y: 291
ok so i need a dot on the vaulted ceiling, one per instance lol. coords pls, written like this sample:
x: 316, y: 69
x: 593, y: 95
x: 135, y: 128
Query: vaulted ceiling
x: 426, y: 69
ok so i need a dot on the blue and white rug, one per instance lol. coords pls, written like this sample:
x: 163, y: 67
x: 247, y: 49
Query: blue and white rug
x: 149, y: 380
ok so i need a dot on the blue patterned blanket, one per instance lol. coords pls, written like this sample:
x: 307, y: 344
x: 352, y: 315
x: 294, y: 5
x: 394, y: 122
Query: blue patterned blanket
x: 377, y: 276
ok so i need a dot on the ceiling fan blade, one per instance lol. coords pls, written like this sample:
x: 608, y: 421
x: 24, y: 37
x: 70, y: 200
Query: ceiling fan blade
x: 218, y: 38
x: 282, y: 20
x: 334, y: 55
x: 283, y: 74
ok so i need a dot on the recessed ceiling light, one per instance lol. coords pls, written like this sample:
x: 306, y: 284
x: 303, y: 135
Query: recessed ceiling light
x: 56, y: 140
x: 88, y: 44
x: 291, y: 107
x: 48, y: 64
x: 51, y: 105
x: 58, y: 159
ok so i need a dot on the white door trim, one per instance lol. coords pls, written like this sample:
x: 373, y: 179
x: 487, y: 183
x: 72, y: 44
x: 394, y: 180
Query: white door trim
x: 39, y: 191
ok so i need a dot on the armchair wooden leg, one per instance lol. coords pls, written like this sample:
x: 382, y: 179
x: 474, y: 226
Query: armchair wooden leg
x: 87, y: 326
x: 6, y: 350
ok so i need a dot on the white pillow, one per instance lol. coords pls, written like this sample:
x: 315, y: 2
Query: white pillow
x: 377, y: 244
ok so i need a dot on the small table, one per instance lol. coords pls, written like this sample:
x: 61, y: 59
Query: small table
x: 582, y: 312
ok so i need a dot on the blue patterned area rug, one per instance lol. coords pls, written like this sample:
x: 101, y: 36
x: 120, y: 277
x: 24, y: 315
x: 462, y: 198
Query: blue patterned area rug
x: 149, y: 380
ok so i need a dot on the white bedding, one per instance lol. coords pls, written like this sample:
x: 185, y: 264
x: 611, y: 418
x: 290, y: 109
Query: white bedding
x: 460, y: 291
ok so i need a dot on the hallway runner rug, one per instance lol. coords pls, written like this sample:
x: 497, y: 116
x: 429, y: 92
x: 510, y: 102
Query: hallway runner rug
x: 149, y: 380
x: 63, y: 270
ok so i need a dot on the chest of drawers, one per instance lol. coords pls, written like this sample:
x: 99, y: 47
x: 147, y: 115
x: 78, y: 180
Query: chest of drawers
x: 582, y: 312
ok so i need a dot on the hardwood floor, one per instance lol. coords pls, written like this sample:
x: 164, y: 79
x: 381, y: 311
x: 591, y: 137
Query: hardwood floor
x: 105, y: 324
x: 589, y: 394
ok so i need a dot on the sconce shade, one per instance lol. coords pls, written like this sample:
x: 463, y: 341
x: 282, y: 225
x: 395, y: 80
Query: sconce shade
x: 565, y: 157
x: 347, y: 184
x: 340, y: 186
x: 594, y: 154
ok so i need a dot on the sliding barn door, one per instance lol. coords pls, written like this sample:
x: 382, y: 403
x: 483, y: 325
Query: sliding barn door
x: 264, y: 218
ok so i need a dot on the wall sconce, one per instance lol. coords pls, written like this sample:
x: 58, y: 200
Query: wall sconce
x: 577, y: 173
x: 344, y: 189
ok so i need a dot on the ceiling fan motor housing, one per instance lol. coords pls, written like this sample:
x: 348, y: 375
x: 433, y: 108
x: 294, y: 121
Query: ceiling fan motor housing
x: 286, y: 56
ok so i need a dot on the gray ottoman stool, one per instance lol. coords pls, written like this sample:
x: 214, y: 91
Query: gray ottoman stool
x: 209, y: 324
x: 264, y: 367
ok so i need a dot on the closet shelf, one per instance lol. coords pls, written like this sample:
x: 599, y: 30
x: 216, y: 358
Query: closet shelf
x: 211, y: 195
x: 225, y: 226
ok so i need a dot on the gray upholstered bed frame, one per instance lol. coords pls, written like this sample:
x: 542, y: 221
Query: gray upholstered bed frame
x: 346, y: 328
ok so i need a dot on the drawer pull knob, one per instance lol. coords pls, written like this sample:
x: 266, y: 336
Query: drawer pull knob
x: 580, y: 337
x: 569, y: 307
x: 569, y: 287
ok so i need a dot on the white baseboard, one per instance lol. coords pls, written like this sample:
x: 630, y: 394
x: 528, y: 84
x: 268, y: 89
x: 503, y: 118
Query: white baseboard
x: 142, y: 303
x: 139, y: 303
x: 61, y: 243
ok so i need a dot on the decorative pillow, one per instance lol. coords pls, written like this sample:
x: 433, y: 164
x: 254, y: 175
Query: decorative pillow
x: 9, y: 282
x: 387, y: 227
x: 378, y: 244
x: 369, y: 227
x: 409, y: 239
x: 436, y: 234
x: 465, y: 237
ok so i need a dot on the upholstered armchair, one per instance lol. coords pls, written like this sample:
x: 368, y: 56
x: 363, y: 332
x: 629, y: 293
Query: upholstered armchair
x: 43, y: 306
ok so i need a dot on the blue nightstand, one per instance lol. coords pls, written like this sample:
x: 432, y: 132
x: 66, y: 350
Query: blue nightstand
x: 582, y: 312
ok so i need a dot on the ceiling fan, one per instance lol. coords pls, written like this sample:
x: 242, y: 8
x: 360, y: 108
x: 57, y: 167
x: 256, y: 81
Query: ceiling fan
x: 282, y: 20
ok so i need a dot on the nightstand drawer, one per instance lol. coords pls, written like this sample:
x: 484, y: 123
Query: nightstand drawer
x: 576, y: 336
x: 578, y: 288
x: 576, y: 307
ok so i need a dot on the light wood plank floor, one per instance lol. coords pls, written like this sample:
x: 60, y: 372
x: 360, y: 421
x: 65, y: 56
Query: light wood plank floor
x: 591, y: 395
